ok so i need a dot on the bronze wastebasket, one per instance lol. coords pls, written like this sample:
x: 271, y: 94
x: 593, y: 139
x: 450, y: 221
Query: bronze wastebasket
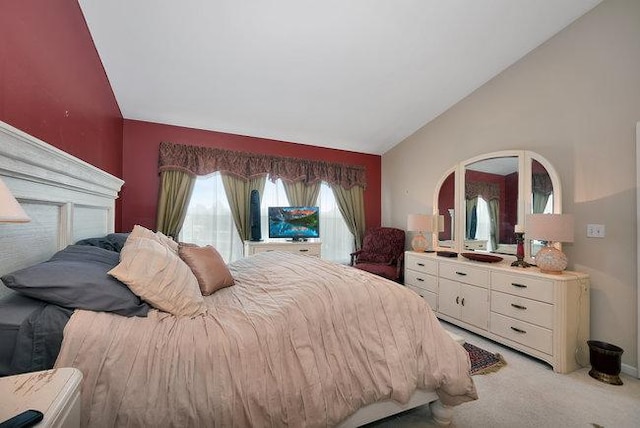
x: 605, y: 361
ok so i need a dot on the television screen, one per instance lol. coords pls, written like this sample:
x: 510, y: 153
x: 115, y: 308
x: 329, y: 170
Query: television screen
x: 297, y: 223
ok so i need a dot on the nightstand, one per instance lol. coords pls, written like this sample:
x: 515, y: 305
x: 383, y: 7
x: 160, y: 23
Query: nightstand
x: 56, y: 393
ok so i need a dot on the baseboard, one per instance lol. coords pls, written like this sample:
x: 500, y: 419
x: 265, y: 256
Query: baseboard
x: 629, y: 370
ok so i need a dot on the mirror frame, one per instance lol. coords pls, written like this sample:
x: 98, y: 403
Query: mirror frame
x: 525, y: 162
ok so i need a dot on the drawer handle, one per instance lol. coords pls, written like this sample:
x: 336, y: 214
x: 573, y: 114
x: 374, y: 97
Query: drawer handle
x: 517, y: 330
x: 420, y: 264
x: 457, y: 300
x: 461, y: 273
x: 515, y: 284
x: 462, y: 302
x: 519, y: 306
x: 304, y: 250
x: 420, y: 279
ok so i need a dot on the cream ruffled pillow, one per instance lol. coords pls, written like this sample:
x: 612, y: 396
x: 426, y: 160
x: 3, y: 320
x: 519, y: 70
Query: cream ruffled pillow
x: 142, y: 232
x: 152, y: 269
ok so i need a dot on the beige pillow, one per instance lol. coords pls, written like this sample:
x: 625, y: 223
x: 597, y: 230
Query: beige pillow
x: 142, y: 232
x: 158, y: 275
x: 208, y: 266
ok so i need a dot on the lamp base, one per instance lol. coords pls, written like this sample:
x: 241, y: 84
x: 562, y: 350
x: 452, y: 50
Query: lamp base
x: 551, y: 260
x: 419, y: 243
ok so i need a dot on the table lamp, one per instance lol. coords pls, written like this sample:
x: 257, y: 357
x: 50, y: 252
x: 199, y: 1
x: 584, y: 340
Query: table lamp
x: 550, y: 228
x: 10, y: 209
x: 420, y: 223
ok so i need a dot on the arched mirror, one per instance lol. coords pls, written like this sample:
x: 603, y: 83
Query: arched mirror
x: 446, y: 210
x: 484, y: 198
x: 491, y: 204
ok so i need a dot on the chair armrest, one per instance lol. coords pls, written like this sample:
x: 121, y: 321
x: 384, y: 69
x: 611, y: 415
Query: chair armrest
x: 354, y: 256
x: 400, y: 267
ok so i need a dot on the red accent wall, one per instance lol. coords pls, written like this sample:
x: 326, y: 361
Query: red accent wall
x: 446, y: 201
x: 140, y: 165
x: 53, y: 85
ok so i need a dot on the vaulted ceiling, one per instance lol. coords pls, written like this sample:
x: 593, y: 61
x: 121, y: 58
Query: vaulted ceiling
x: 357, y: 75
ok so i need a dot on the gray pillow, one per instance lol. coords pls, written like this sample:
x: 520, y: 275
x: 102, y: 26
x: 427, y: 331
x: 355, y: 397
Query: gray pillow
x: 77, y: 278
x: 113, y: 241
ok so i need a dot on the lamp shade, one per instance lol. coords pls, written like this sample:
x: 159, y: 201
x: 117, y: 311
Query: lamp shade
x: 420, y: 223
x: 550, y: 227
x: 10, y: 209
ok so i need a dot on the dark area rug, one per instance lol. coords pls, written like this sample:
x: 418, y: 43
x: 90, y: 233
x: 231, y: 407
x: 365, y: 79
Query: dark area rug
x: 483, y: 362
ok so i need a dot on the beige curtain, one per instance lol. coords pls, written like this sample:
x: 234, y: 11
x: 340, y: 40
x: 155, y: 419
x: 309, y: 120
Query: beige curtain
x: 238, y: 192
x: 175, y: 192
x: 301, y: 194
x: 351, y: 205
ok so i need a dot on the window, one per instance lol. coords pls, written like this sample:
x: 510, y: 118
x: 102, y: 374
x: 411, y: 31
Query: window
x: 209, y: 222
x: 483, y: 228
x: 337, y: 240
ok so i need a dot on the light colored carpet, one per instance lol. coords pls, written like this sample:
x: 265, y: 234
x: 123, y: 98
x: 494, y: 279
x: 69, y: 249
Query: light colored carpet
x: 527, y: 393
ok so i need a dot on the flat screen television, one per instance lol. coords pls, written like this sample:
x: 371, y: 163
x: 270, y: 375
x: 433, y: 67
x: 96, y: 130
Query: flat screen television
x: 295, y: 223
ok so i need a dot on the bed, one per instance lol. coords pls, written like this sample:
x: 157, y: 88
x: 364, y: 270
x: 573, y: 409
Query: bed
x: 295, y: 341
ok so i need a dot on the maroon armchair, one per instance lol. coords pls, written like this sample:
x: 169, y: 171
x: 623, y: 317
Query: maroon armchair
x: 382, y: 253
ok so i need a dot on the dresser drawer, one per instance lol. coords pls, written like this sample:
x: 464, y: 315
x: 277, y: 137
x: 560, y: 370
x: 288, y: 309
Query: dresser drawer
x: 431, y: 298
x: 421, y: 264
x: 532, y: 288
x: 522, y: 332
x: 466, y: 274
x: 305, y: 250
x: 523, y: 309
x: 421, y: 280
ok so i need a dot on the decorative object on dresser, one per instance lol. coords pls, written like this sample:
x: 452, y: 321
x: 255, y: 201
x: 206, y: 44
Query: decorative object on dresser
x: 10, y: 209
x: 519, y: 233
x: 420, y: 223
x: 482, y: 257
x: 382, y: 252
x: 543, y: 315
x: 550, y: 228
x: 306, y: 248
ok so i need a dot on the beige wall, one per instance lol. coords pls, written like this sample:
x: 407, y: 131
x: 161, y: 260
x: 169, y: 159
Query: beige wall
x: 575, y: 100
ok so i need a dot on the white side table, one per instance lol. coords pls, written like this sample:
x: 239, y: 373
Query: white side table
x: 56, y: 393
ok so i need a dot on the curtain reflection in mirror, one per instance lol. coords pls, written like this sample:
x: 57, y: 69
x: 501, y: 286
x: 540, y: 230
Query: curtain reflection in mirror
x: 541, y: 197
x: 483, y: 208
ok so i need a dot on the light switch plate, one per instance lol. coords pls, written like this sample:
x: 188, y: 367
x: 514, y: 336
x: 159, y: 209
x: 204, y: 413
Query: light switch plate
x: 595, y: 231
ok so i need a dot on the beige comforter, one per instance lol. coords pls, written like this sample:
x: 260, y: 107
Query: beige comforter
x: 296, y: 342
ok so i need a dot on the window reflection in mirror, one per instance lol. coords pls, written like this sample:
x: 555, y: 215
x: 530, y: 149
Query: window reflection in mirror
x: 446, y: 201
x: 491, y: 203
x: 541, y: 196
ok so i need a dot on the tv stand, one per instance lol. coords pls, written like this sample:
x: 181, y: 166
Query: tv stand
x: 297, y: 240
x: 307, y: 248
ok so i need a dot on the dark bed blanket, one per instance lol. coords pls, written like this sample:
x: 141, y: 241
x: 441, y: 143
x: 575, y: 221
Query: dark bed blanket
x: 38, y: 340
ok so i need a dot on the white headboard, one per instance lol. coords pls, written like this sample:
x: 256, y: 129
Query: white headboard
x: 66, y: 198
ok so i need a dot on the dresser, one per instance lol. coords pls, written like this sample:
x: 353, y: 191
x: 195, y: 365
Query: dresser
x: 543, y: 315
x: 307, y: 248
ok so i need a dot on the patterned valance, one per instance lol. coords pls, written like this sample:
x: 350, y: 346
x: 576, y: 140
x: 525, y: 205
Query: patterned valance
x: 488, y: 191
x: 198, y: 160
